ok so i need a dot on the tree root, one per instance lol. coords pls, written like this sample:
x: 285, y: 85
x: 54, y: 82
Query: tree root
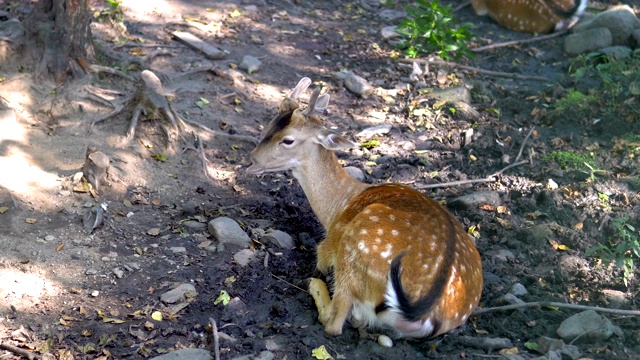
x: 475, y: 69
x: 24, y: 353
x: 538, y: 304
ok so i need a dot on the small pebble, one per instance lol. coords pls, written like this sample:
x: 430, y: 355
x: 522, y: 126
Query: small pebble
x: 385, y: 341
x: 49, y: 237
x: 118, y: 273
x: 95, y: 293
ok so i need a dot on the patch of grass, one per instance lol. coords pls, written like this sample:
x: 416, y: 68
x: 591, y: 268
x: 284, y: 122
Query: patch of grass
x: 575, y: 102
x: 431, y: 28
x: 569, y: 160
x: 622, y: 249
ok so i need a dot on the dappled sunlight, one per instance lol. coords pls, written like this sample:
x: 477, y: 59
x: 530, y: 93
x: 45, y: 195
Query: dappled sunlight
x: 23, y: 176
x: 143, y: 7
x: 24, y: 291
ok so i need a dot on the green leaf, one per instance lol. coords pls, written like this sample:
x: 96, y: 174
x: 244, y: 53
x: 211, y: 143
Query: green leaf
x: 223, y: 298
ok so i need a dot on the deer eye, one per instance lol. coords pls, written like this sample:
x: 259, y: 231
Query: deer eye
x: 287, y: 141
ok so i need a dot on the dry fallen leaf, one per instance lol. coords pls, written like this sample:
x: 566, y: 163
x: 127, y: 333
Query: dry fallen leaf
x: 157, y: 316
x: 557, y: 246
x: 321, y: 353
x: 153, y: 232
x: 3, y: 209
x: 31, y: 220
x: 60, y: 247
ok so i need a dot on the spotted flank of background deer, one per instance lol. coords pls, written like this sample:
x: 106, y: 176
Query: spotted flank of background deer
x: 400, y: 260
x: 532, y: 16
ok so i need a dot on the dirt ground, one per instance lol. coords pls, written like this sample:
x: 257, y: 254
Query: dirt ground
x: 72, y: 292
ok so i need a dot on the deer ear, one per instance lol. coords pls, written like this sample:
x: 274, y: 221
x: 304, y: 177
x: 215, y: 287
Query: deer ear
x: 303, y: 84
x: 332, y: 140
x: 322, y: 103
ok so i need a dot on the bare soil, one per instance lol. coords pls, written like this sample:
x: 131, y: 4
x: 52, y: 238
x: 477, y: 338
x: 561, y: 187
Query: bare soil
x: 68, y: 291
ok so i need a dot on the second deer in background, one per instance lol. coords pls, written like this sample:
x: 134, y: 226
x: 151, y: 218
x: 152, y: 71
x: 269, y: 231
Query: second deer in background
x: 532, y: 16
x: 400, y: 260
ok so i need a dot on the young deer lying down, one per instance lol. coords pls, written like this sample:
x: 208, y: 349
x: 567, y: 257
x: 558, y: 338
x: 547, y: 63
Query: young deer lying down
x: 532, y: 16
x: 400, y: 260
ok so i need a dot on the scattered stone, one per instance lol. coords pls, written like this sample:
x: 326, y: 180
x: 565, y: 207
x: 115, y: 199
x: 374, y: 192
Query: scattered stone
x: 504, y: 255
x: 519, y: 290
x: 617, y: 52
x: 118, y: 273
x: 95, y: 293
x: 178, y: 249
x: 250, y: 64
x: 636, y: 36
x: 243, y: 257
x: 389, y: 15
x: 197, y: 44
x: 278, y: 238
x: 194, y: 225
x: 616, y: 299
x: 91, y: 272
x: 355, y: 172
x: 370, y: 132
x: 356, y: 84
x: 489, y: 344
x: 64, y: 193
x: 546, y: 344
x: 476, y: 200
x: 511, y: 299
x: 551, y: 185
x: 385, y: 341
x: 588, y: 40
x: 450, y: 95
x: 49, y: 238
x: 228, y: 232
x: 265, y: 355
x: 389, y: 32
x: 237, y: 306
x: 186, y: 354
x: 587, y: 326
x: 178, y: 294
x: 620, y: 20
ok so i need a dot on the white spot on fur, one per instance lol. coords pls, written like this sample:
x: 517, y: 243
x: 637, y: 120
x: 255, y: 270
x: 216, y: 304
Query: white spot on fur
x: 374, y: 218
x: 395, y: 232
x: 380, y: 231
x: 364, y: 232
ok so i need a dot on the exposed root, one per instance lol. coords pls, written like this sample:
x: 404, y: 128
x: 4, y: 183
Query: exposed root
x: 475, y: 69
x: 24, y: 353
x: 538, y: 304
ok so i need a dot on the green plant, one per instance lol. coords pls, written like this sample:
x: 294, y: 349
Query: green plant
x: 431, y: 28
x: 111, y: 13
x: 622, y: 248
x: 568, y: 160
x: 575, y: 101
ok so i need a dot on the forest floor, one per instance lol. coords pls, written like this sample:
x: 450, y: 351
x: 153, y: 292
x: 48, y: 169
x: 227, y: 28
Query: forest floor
x: 96, y: 294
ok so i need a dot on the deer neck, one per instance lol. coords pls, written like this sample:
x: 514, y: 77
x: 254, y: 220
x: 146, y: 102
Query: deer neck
x: 328, y: 187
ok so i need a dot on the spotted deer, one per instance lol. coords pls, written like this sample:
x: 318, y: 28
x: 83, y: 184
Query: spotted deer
x: 532, y: 16
x: 400, y: 260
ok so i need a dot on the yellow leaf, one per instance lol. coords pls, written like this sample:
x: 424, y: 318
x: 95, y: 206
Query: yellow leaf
x: 3, y: 209
x: 30, y: 220
x: 482, y: 332
x: 112, y: 320
x: 87, y: 333
x: 235, y: 13
x: 321, y: 353
x: 224, y: 298
x: 157, y: 316
x: 510, y: 351
x: 557, y: 246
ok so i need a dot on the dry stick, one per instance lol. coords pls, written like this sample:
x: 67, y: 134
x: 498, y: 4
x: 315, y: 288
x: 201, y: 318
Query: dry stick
x: 24, y: 353
x: 286, y: 282
x: 558, y: 305
x: 519, y: 42
x: 216, y: 339
x: 478, y: 70
x: 488, y: 178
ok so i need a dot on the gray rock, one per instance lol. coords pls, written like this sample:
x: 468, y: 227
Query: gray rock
x: 278, y: 238
x: 178, y: 249
x: 177, y: 294
x: 372, y: 131
x: 265, y: 355
x: 186, y: 354
x: 511, y: 299
x: 250, y: 64
x: 475, y: 200
x: 588, y: 40
x: 519, y: 290
x: 119, y: 273
x: 243, y: 257
x: 389, y: 15
x: 587, y: 326
x: 228, y: 232
x: 355, y: 172
x: 504, y: 255
x: 450, y: 95
x: 194, y: 225
x: 617, y: 51
x: 358, y: 85
x: 389, y: 32
x: 636, y: 36
x: 620, y: 20
x: 237, y: 306
x: 546, y: 344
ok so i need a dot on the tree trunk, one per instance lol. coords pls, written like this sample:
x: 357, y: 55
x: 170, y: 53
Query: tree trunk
x: 59, y: 39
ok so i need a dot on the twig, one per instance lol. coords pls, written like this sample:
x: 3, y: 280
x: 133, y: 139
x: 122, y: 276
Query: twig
x: 286, y: 282
x: 488, y: 178
x: 475, y: 69
x: 24, y: 353
x: 216, y: 339
x: 519, y: 42
x: 112, y: 71
x: 558, y: 305
x: 246, y: 138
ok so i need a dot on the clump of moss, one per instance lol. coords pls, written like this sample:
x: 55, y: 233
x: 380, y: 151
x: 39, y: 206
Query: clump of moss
x: 568, y: 160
